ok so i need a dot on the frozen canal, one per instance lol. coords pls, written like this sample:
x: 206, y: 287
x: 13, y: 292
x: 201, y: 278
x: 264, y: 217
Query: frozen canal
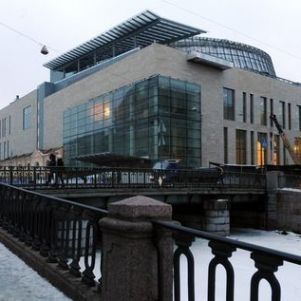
x: 288, y: 275
x: 20, y: 283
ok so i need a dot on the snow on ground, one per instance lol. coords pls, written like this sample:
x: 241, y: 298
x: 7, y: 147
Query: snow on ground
x: 18, y: 282
x: 288, y: 275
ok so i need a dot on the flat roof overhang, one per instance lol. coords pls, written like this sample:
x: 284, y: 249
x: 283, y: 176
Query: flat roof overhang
x: 139, y: 31
x: 114, y: 160
x: 205, y: 59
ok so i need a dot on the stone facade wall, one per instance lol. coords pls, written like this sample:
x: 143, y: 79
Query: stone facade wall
x: 289, y: 210
x: 21, y: 141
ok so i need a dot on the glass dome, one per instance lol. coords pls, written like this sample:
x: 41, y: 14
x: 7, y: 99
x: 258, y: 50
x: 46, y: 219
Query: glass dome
x: 241, y: 55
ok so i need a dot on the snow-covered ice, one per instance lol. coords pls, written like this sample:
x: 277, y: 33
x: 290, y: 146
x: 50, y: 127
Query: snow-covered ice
x: 288, y: 275
x: 18, y: 282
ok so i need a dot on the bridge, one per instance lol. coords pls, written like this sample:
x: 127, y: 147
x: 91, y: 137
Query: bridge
x: 130, y: 252
x: 207, y: 181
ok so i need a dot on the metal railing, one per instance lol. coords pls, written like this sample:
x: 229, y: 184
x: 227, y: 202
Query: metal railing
x: 76, y: 177
x: 266, y: 262
x: 289, y: 181
x: 67, y: 232
x: 62, y: 231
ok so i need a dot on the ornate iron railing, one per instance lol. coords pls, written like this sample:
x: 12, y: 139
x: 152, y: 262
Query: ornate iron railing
x: 76, y: 177
x: 266, y: 262
x: 62, y: 231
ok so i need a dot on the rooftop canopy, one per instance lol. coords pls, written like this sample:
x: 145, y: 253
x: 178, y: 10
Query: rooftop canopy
x: 139, y: 31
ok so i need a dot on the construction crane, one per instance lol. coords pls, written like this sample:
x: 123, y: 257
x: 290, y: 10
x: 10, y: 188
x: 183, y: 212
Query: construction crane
x: 285, y: 140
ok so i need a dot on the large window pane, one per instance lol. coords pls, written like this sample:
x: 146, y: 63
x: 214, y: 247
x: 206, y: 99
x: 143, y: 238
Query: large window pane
x: 229, y: 104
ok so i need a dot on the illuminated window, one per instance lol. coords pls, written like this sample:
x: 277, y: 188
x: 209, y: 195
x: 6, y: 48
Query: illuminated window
x: 297, y: 147
x: 261, y: 146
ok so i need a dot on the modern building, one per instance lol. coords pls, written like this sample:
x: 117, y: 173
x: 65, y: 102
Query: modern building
x: 152, y: 89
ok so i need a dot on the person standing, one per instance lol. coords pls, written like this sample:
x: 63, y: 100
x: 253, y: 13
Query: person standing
x: 51, y: 163
x: 60, y: 170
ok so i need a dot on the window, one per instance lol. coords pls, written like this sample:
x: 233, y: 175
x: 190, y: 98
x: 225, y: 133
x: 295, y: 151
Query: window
x: 9, y: 125
x: 276, y: 150
x: 229, y: 104
x: 282, y: 113
x: 242, y: 110
x: 252, y: 146
x: 271, y: 111
x: 244, y: 107
x: 241, y: 147
x: 289, y: 115
x: 263, y: 110
x: 297, y: 148
x: 4, y: 150
x: 299, y: 118
x: 225, y: 145
x: 27, y: 118
x: 262, y: 144
x: 4, y: 127
x: 251, y: 108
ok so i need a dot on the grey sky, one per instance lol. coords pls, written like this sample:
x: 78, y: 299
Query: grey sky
x: 272, y: 25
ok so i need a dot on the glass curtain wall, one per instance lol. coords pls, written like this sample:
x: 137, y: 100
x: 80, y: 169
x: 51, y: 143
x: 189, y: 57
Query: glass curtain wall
x: 158, y: 118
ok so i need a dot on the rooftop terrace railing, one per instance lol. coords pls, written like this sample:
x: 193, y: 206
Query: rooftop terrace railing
x: 76, y: 177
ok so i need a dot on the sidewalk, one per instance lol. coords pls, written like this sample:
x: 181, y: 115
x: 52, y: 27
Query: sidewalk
x: 18, y: 282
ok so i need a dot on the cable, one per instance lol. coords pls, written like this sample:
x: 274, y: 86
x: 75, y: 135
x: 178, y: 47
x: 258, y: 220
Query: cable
x: 232, y: 29
x: 26, y: 36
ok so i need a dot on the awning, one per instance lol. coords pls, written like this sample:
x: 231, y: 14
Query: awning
x: 114, y: 160
x: 139, y: 31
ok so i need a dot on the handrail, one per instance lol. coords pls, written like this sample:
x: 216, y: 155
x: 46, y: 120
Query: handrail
x: 54, y: 198
x: 235, y: 243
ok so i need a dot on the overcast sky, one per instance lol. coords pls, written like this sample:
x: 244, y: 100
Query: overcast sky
x: 272, y: 25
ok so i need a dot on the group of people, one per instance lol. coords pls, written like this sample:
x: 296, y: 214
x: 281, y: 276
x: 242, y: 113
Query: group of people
x: 56, y: 168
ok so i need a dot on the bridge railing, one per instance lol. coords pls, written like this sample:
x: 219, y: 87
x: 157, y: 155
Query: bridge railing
x: 62, y: 231
x: 76, y: 177
x: 289, y: 181
x: 266, y: 261
x: 133, y: 238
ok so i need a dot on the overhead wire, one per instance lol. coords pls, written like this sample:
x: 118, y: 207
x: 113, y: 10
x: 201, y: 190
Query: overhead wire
x: 232, y: 29
x: 26, y: 36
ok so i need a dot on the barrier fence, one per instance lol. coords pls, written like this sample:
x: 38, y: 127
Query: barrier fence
x: 68, y: 233
x: 76, y: 177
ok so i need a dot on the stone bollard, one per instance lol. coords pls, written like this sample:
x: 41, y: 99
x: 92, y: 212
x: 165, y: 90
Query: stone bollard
x: 130, y: 248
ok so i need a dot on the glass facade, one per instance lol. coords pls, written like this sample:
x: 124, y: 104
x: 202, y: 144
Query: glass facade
x: 241, y: 55
x: 157, y: 118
